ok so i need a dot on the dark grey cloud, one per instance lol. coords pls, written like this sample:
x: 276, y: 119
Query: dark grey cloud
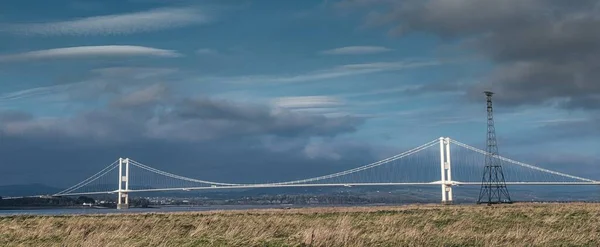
x: 546, y: 51
x: 152, y: 112
x: 199, y: 137
x: 212, y: 118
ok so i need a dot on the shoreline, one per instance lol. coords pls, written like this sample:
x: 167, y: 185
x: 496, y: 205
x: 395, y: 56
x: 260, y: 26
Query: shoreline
x: 87, y: 211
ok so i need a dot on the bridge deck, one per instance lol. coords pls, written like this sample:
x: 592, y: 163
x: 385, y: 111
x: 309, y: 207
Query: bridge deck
x: 254, y: 186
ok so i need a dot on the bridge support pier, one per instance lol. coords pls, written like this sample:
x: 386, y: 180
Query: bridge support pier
x: 123, y: 201
x: 445, y: 170
x: 123, y: 197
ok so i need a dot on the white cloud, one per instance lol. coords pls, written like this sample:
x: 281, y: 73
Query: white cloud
x: 103, y: 80
x: 146, y: 21
x: 307, y: 102
x: 558, y: 121
x: 335, y: 72
x: 400, y: 89
x: 90, y: 51
x: 206, y: 51
x: 356, y: 50
x: 33, y: 92
x: 137, y: 73
x: 315, y: 150
x: 328, y: 106
x: 146, y: 95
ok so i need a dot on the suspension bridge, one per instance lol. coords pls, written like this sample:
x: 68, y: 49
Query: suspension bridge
x: 442, y: 162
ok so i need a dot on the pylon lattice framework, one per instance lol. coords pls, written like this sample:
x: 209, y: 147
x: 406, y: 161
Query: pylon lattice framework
x: 493, y: 185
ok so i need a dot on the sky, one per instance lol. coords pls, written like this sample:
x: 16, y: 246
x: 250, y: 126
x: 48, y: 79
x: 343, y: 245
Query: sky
x: 255, y: 91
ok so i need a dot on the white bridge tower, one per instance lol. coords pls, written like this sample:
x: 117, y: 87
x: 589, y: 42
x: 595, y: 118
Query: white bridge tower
x: 123, y: 199
x: 446, y: 170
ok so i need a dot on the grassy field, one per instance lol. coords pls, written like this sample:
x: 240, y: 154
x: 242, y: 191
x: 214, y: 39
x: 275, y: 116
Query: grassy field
x: 471, y: 225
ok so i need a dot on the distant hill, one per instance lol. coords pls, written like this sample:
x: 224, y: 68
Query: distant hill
x: 27, y: 190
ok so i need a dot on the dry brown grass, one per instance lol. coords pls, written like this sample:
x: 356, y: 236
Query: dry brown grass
x: 505, y: 225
